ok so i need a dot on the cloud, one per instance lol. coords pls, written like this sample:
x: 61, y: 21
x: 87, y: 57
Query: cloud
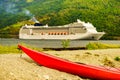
x: 27, y: 12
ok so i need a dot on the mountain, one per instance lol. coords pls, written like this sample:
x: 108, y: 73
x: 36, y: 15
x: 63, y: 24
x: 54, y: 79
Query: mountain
x: 104, y: 14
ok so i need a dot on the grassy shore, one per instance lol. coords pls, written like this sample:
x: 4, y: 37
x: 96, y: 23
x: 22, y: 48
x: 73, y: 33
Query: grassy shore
x: 4, y: 49
x: 91, y: 46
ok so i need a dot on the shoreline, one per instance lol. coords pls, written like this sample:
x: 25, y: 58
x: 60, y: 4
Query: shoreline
x: 14, y: 67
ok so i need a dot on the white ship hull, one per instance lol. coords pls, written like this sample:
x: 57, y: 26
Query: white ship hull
x: 85, y: 36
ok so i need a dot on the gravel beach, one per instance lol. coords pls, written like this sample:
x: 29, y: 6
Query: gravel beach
x: 17, y: 67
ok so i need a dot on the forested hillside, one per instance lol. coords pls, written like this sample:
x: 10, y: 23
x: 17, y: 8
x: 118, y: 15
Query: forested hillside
x: 103, y: 14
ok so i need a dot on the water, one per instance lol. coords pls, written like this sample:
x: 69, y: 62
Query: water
x: 54, y: 43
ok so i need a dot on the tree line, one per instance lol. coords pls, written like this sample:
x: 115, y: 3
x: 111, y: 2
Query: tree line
x: 103, y: 14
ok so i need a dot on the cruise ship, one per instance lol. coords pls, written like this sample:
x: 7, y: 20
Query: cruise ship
x: 75, y: 30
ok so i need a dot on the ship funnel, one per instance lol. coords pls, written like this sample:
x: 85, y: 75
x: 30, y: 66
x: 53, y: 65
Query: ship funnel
x: 79, y: 21
x: 34, y: 20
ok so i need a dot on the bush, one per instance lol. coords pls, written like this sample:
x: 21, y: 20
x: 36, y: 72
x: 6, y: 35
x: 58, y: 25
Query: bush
x: 97, y: 45
x: 66, y: 43
x: 117, y: 58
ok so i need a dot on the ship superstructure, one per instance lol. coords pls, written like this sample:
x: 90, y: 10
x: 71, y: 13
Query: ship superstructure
x: 76, y: 30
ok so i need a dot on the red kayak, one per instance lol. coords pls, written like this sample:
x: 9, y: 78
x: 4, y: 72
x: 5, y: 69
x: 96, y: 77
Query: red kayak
x: 83, y: 70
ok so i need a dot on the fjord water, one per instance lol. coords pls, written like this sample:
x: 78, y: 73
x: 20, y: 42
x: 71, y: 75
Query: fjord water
x: 53, y: 43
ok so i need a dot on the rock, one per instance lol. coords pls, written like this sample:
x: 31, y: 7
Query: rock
x: 46, y: 77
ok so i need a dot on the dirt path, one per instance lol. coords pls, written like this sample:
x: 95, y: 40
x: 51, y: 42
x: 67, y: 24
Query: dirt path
x: 13, y: 67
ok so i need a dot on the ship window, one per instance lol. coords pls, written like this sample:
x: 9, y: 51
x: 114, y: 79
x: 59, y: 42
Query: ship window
x: 31, y: 33
x: 71, y: 33
x: 84, y: 28
x: 93, y: 37
x: 65, y: 33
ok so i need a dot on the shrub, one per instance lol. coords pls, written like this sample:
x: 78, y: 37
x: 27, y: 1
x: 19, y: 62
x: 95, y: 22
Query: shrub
x: 65, y: 43
x: 117, y: 58
x: 97, y: 45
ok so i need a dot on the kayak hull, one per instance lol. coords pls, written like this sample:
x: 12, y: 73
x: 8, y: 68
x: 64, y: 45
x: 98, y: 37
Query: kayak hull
x: 82, y: 70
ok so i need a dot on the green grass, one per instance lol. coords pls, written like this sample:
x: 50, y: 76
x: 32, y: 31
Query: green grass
x: 98, y: 45
x: 9, y: 49
x: 5, y: 49
x: 117, y: 58
x: 65, y: 43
